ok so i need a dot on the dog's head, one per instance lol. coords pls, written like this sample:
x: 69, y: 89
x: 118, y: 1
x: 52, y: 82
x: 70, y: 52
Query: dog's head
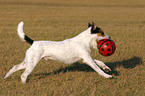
x: 97, y: 31
x: 97, y: 34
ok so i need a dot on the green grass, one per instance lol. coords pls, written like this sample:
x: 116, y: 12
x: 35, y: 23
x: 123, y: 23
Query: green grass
x: 123, y: 20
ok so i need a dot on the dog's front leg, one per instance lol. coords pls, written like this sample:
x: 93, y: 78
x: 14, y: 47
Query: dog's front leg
x: 93, y: 64
x: 102, y: 65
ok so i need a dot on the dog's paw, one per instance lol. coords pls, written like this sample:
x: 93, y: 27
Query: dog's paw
x: 106, y: 69
x: 23, y: 82
x: 113, y: 78
x: 108, y: 76
x: 6, y: 76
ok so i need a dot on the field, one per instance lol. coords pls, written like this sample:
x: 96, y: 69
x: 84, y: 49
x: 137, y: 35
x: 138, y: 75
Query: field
x: 123, y: 20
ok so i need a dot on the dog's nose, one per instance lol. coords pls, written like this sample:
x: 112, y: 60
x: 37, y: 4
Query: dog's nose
x: 109, y: 37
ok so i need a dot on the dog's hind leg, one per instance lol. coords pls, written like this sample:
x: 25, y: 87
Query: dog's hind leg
x: 32, y: 59
x: 16, y: 68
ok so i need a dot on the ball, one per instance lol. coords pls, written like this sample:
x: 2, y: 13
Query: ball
x: 106, y: 47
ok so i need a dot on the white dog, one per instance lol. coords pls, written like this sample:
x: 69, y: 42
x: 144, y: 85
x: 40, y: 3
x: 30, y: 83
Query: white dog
x: 67, y: 51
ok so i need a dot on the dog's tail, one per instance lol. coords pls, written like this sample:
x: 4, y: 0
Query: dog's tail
x: 22, y: 34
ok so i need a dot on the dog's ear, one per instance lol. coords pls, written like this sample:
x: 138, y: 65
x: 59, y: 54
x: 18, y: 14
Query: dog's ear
x: 90, y: 24
x: 93, y: 29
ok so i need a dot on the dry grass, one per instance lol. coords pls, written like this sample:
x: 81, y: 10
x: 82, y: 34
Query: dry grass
x: 123, y: 20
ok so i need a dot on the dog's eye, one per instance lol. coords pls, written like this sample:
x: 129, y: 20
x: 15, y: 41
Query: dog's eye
x: 97, y: 28
x: 102, y: 33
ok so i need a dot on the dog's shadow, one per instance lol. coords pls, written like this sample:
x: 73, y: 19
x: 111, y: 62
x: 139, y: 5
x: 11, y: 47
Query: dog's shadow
x: 130, y: 63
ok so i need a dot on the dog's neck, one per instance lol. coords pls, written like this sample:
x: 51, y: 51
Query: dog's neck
x: 87, y: 38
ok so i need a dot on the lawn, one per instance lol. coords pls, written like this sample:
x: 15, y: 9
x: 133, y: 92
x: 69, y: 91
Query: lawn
x: 122, y: 20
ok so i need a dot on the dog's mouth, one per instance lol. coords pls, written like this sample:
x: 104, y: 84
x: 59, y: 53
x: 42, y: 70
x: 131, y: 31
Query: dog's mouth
x: 105, y: 37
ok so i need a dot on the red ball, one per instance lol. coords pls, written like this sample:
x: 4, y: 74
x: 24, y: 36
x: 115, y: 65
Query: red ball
x: 106, y: 47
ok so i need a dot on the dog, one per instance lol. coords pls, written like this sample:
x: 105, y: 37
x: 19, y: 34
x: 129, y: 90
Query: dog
x: 67, y: 51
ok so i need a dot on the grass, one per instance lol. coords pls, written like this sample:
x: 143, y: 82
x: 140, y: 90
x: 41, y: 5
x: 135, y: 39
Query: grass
x: 57, y: 20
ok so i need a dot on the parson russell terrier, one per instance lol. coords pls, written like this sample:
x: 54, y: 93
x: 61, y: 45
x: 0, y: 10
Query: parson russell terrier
x: 67, y: 51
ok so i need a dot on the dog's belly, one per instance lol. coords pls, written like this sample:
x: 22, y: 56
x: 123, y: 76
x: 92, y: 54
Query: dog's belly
x: 62, y: 53
x: 67, y: 60
x: 65, y: 57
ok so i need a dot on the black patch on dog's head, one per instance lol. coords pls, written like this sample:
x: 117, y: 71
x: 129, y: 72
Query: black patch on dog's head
x: 95, y: 29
